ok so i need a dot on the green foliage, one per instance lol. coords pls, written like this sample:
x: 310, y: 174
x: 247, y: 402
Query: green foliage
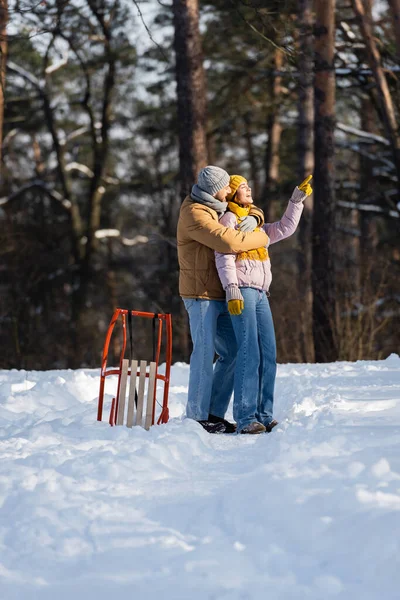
x: 42, y: 276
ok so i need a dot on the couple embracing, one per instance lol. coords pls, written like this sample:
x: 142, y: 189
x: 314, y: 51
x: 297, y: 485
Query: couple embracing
x: 225, y: 274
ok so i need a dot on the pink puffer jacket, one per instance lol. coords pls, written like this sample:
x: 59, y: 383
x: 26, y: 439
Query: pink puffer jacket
x: 246, y: 272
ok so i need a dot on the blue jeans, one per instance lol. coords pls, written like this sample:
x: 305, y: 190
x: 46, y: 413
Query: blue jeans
x: 256, y: 360
x: 210, y: 387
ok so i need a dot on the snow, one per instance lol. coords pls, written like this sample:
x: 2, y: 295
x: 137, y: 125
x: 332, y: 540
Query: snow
x: 310, y: 511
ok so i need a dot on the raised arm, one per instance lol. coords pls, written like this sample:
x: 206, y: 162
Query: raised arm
x: 288, y: 224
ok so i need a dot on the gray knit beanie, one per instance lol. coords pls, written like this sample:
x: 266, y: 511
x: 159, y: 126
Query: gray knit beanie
x: 212, y: 179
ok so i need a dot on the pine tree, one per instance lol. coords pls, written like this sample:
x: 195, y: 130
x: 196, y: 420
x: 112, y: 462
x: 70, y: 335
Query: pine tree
x: 324, y: 234
x: 191, y: 92
x: 3, y: 58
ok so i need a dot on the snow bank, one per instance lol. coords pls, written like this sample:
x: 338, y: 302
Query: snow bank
x: 310, y: 511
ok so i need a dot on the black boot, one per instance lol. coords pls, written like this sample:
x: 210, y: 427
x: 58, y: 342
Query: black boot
x: 229, y: 427
x: 213, y: 427
x: 269, y: 427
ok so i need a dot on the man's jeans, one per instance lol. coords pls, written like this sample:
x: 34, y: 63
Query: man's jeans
x: 256, y: 360
x: 210, y: 388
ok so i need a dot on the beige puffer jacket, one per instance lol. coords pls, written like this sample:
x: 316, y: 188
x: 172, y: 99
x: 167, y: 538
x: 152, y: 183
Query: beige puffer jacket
x: 199, y: 235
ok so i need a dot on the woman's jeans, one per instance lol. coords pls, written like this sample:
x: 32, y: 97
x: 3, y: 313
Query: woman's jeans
x: 210, y: 387
x: 256, y: 360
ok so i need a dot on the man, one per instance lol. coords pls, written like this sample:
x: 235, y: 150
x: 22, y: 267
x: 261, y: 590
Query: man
x: 199, y: 235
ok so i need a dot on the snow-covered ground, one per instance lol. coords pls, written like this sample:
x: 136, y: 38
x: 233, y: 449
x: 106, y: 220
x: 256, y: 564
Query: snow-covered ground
x: 310, y: 511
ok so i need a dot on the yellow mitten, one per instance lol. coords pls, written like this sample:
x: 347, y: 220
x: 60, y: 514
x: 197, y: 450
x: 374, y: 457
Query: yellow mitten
x: 235, y: 307
x: 305, y: 186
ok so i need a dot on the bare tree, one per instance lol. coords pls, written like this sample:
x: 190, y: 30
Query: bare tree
x: 323, y: 237
x: 367, y: 220
x: 3, y: 57
x: 100, y: 143
x: 384, y: 95
x: 192, y: 103
x: 82, y: 204
x: 251, y: 154
x: 274, y: 132
x: 306, y: 167
x: 191, y: 92
x: 395, y: 10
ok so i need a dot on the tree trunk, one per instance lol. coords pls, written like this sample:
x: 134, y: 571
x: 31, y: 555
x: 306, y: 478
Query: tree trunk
x: 368, y: 183
x: 368, y: 221
x: 274, y: 132
x: 395, y: 10
x: 37, y: 155
x: 385, y: 98
x: 100, y: 148
x: 323, y: 235
x: 306, y: 167
x: 251, y: 156
x: 3, y: 58
x: 191, y: 92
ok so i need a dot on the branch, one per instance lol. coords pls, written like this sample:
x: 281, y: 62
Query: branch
x: 9, y: 136
x: 41, y: 87
x: 349, y: 231
x: 354, y: 147
x: 37, y: 183
x: 165, y: 57
x: 363, y: 134
x: 347, y: 30
x: 102, y: 234
x: 74, y: 134
x: 51, y: 125
x: 12, y: 66
x: 369, y: 208
x: 384, y: 92
x: 58, y: 65
x: 74, y: 166
x: 87, y: 96
x: 264, y: 37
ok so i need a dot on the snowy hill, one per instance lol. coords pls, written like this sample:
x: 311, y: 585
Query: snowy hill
x: 309, y: 512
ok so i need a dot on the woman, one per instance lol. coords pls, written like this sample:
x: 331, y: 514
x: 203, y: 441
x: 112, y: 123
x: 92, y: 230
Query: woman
x: 246, y: 278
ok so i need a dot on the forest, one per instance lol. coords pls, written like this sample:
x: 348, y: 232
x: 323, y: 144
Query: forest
x: 109, y: 109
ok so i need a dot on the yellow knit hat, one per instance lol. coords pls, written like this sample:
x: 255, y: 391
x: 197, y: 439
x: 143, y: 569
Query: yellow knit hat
x: 234, y: 182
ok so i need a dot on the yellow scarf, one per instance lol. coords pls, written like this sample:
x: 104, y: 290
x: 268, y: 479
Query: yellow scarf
x: 240, y: 212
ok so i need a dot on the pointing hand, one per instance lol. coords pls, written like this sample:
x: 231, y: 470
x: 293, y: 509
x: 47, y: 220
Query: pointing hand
x: 306, y: 186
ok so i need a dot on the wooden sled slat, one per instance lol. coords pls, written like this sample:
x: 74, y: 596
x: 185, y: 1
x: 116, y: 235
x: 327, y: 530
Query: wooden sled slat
x: 142, y: 381
x: 150, y: 395
x: 122, y: 392
x: 131, y: 397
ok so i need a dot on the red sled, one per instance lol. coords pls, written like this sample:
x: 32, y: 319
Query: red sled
x: 140, y: 410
